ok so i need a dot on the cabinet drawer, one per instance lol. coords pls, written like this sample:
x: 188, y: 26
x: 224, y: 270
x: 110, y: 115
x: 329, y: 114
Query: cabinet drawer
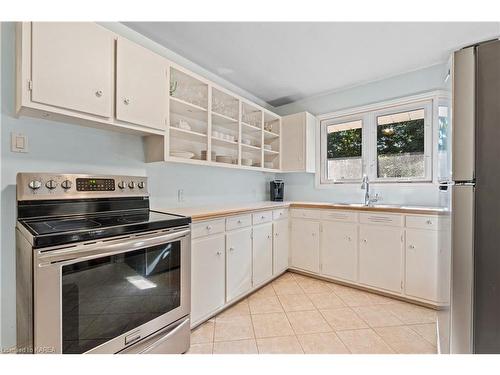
x: 422, y: 222
x: 280, y: 214
x: 347, y: 216
x: 236, y: 222
x: 262, y: 217
x: 379, y: 218
x: 206, y: 228
x: 306, y: 214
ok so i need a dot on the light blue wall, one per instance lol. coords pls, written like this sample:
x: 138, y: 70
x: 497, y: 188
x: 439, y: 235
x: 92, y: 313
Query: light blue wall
x: 301, y: 186
x: 57, y: 147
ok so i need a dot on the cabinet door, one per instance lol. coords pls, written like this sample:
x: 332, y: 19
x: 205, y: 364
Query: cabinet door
x: 293, y: 142
x: 305, y: 245
x: 262, y: 253
x: 141, y: 85
x: 239, y: 262
x: 422, y: 264
x: 281, y: 244
x: 380, y: 257
x: 208, y: 277
x: 72, y: 66
x: 339, y: 250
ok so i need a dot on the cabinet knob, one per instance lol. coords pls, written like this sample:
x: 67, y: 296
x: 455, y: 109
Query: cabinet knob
x: 231, y: 249
x: 429, y: 222
x: 209, y: 227
x: 126, y: 101
x: 365, y: 240
x: 262, y: 217
x: 349, y: 239
x: 98, y: 93
x: 411, y: 246
x: 276, y: 234
x: 239, y: 221
x: 269, y: 237
x: 219, y: 253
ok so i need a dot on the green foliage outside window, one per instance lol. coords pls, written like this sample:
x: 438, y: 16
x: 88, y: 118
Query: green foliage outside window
x: 401, y: 137
x: 344, y: 144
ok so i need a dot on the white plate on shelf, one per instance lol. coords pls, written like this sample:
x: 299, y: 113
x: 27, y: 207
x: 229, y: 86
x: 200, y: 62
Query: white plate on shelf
x: 268, y: 147
x: 182, y: 154
x: 246, y: 162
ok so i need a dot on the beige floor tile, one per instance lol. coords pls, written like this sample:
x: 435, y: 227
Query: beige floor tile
x: 380, y: 300
x: 266, y: 291
x: 271, y: 325
x: 233, y: 328
x: 285, y: 276
x: 343, y: 318
x: 353, y: 297
x: 279, y: 345
x: 239, y: 309
x: 364, y: 341
x: 311, y: 285
x: 263, y: 305
x: 288, y: 286
x: 200, y: 348
x: 236, y: 347
x: 411, y: 314
x: 296, y: 302
x: 203, y: 333
x: 427, y: 331
x: 377, y: 316
x: 405, y: 341
x: 308, y: 322
x: 326, y: 300
x: 322, y: 343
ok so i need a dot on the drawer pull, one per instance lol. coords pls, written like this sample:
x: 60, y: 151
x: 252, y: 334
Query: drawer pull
x: 219, y: 253
x: 276, y: 234
x: 429, y: 222
x: 262, y: 217
x: 209, y: 227
x: 411, y: 246
x: 269, y: 237
x: 365, y: 240
x: 239, y: 221
x: 349, y: 238
x: 231, y: 249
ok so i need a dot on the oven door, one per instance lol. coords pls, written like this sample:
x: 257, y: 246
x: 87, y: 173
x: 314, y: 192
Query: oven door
x: 106, y: 296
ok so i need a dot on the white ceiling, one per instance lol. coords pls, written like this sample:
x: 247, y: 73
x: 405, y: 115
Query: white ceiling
x: 285, y: 62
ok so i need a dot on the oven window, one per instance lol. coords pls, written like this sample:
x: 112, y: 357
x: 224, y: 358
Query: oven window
x: 106, y: 297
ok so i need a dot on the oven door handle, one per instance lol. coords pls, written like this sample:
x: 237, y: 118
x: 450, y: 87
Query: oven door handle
x: 97, y: 250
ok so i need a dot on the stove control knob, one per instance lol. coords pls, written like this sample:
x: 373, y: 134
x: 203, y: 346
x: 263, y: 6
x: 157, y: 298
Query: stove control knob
x: 35, y: 185
x: 141, y: 185
x: 51, y: 184
x: 121, y: 185
x: 66, y: 184
x: 131, y: 184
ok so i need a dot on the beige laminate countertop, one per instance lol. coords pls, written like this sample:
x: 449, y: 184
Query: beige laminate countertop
x: 214, y: 211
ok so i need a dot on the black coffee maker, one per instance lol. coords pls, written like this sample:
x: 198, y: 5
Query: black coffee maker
x: 277, y: 190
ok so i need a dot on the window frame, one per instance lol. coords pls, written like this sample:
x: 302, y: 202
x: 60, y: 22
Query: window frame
x: 323, y: 146
x: 426, y: 105
x: 429, y: 101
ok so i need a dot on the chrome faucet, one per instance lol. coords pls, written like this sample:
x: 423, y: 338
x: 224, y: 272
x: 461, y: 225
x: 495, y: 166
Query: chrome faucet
x: 365, y: 185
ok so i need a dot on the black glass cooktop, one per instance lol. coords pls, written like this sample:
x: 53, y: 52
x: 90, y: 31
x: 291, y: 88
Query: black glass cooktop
x: 68, y: 229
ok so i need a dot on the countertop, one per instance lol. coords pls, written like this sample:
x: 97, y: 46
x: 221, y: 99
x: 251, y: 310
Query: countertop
x: 213, y: 211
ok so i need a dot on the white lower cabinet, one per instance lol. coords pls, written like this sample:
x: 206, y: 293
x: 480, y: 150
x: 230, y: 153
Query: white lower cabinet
x: 208, y: 277
x: 380, y: 257
x: 339, y: 250
x: 281, y: 243
x: 262, y: 250
x: 238, y: 262
x: 305, y: 244
x: 422, y: 264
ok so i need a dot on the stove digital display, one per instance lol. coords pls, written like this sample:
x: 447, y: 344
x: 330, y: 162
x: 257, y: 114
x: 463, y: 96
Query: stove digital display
x: 95, y: 184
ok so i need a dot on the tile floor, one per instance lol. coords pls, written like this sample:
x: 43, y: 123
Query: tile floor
x: 297, y: 314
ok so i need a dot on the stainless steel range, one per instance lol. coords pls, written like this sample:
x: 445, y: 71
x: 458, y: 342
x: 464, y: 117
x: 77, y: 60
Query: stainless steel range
x: 97, y: 270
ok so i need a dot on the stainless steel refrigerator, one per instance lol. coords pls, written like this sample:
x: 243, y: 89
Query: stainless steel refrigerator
x: 471, y: 323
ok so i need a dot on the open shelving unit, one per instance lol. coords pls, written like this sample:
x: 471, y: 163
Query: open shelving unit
x: 209, y: 125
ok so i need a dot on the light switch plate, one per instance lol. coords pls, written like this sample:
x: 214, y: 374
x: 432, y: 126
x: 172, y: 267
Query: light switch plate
x: 18, y: 142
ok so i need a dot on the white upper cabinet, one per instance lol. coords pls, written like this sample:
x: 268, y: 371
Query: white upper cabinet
x: 380, y: 256
x: 72, y: 66
x: 339, y: 250
x: 305, y: 244
x: 298, y: 143
x: 262, y: 253
x: 141, y: 86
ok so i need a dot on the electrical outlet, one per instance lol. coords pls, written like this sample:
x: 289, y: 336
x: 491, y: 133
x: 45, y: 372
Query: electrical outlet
x: 180, y: 195
x: 18, y: 142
